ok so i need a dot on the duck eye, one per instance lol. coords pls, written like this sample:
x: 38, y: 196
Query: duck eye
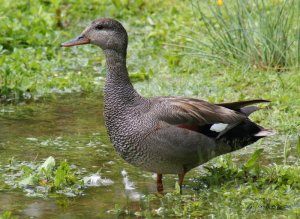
x: 99, y: 27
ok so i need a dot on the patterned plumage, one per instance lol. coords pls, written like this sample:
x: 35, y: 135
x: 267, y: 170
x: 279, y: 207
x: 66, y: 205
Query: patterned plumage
x: 164, y: 134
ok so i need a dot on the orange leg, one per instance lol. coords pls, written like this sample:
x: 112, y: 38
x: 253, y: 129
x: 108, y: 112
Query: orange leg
x: 180, y: 180
x: 159, y: 184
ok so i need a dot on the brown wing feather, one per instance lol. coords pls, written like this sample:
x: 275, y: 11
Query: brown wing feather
x: 178, y: 110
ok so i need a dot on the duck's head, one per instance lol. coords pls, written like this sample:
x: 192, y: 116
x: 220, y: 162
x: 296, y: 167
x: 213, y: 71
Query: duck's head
x: 106, y: 33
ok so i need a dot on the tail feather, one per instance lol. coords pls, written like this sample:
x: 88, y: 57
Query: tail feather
x: 241, y: 104
x: 249, y: 109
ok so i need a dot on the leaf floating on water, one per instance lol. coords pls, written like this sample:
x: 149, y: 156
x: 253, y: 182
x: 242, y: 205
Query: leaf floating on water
x: 48, y: 165
x: 27, y: 181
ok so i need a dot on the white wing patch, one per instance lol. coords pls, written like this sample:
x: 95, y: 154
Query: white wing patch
x: 218, y: 127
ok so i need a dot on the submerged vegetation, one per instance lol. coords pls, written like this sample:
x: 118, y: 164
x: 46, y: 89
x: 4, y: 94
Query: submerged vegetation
x: 219, y: 51
x: 41, y: 180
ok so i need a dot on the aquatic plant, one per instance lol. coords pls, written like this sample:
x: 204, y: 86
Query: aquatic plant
x: 7, y: 215
x: 43, y: 179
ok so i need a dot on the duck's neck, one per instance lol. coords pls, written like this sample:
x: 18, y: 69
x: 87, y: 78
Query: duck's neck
x: 118, y: 87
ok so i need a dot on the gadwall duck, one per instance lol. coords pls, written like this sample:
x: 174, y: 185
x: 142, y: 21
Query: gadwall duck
x: 164, y: 135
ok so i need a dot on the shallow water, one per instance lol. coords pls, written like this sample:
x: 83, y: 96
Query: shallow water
x: 71, y: 127
x: 67, y: 127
